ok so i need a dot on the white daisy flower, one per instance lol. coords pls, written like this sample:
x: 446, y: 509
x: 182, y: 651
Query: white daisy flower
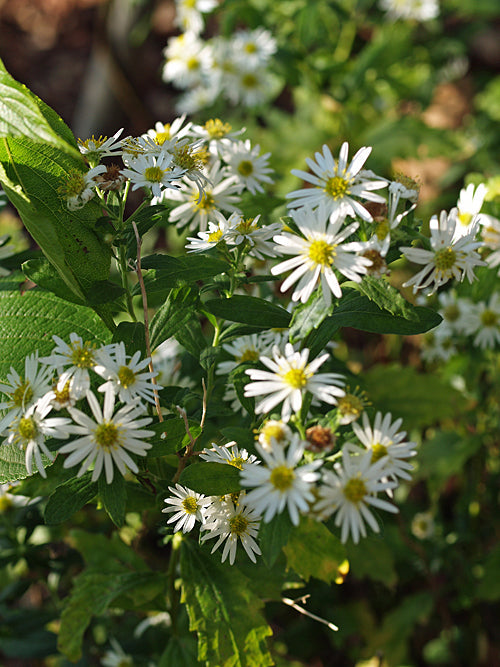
x: 351, y: 406
x: 189, y: 14
x: 187, y: 60
x: 383, y: 439
x: 188, y: 506
x: 280, y: 482
x: 290, y: 378
x: 338, y: 185
x: 243, y: 349
x: 318, y: 253
x: 124, y: 374
x: 232, y: 524
x: 107, y: 439
x: 216, y: 134
x: 79, y: 187
x: 30, y: 430
x: 249, y: 86
x: 469, y: 205
x: 249, y: 168
x: 483, y: 323
x: 167, y: 132
x: 450, y: 256
x: 455, y: 312
x: 437, y: 345
x: 153, y: 172
x: 228, y: 453
x: 422, y: 525
x: 23, y: 391
x: 350, y: 490
x: 490, y: 233
x: 222, y: 193
x: 94, y: 149
x: 216, y: 233
x: 401, y: 190
x: 79, y: 356
x: 273, y: 433
x: 254, y: 47
x: 418, y: 10
x: 247, y: 230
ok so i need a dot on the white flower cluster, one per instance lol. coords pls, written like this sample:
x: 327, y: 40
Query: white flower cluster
x: 286, y: 480
x: 108, y: 438
x: 235, y: 69
x: 407, y: 10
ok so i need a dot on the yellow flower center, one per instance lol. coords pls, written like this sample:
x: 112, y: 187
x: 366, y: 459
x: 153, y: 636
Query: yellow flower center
x: 22, y: 395
x: 193, y: 63
x: 27, y: 428
x: 63, y: 397
x: 154, y: 174
x: 162, y: 137
x: 107, y: 435
x: 206, y: 203
x: 5, y: 504
x: 186, y: 157
x: 337, y: 187
x: 464, y: 218
x: 74, y: 185
x: 445, y: 259
x: 378, y: 452
x: 249, y: 81
x: 248, y: 355
x: 489, y: 318
x: 296, y: 378
x: 451, y: 313
x: 237, y: 462
x: 282, y: 478
x: 321, y: 252
x: 350, y: 405
x: 246, y: 226
x: 190, y: 505
x: 245, y: 168
x: 216, y: 236
x: 126, y: 377
x: 216, y: 128
x: 355, y: 490
x: 250, y: 47
x: 238, y: 524
x: 83, y: 356
x: 275, y: 431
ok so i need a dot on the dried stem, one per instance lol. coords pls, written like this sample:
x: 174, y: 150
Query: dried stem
x: 138, y: 270
x: 293, y: 604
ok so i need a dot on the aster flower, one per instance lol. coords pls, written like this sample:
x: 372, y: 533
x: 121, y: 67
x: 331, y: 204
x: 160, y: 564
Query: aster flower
x: 338, y: 185
x: 155, y: 172
x: 281, y: 482
x: 317, y: 253
x: 216, y: 233
x: 233, y: 523
x: 23, y: 391
x: 254, y: 47
x: 422, y: 525
x: 250, y: 86
x: 469, y: 205
x: 228, y: 453
x: 188, y: 506
x: 216, y: 134
x: 79, y: 356
x: 107, y: 439
x: 289, y: 378
x: 350, y: 490
x: 490, y: 233
x: 79, y: 187
x: 249, y: 168
x: 418, y: 10
x: 124, y: 374
x: 189, y: 14
x: 351, y: 406
x: 167, y: 132
x: 455, y: 312
x: 243, y: 349
x: 29, y: 431
x: 95, y: 149
x: 273, y: 433
x: 187, y: 60
x: 450, y: 256
x: 247, y: 230
x: 483, y: 322
x: 384, y: 439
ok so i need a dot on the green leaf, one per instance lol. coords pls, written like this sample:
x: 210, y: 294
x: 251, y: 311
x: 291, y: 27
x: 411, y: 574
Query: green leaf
x: 175, y: 313
x: 419, y: 399
x: 308, y: 316
x: 387, y: 297
x: 249, y: 310
x: 273, y: 536
x: 374, y: 559
x: 223, y: 611
x: 212, y: 479
x: 133, y: 335
x: 174, y: 271
x: 171, y: 436
x: 488, y: 587
x: 313, y: 551
x: 114, y: 497
x: 240, y: 379
x: 68, y: 498
x: 22, y: 114
x: 103, y: 553
x: 179, y: 651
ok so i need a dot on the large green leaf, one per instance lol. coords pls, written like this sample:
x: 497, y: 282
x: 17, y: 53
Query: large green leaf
x: 273, y: 536
x: 210, y: 478
x: 223, y: 611
x: 249, y: 310
x: 68, y: 498
x: 175, y: 313
x: 114, y: 497
x: 169, y: 271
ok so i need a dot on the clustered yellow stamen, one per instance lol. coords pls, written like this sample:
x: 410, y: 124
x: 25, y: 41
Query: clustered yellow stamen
x: 246, y: 226
x: 126, y: 377
x: 296, y: 378
x: 238, y: 524
x: 355, y: 490
x: 190, y: 505
x: 206, y: 203
x: 378, y: 451
x: 216, y: 236
x: 444, y: 259
x: 282, y: 478
x: 245, y: 168
x: 321, y: 252
x: 465, y: 218
x: 275, y: 431
x: 248, y: 355
x: 27, y: 428
x: 186, y: 157
x: 250, y: 47
x: 216, y: 128
x: 382, y: 229
x: 350, y: 404
x: 162, y: 137
x: 83, y: 357
x: 489, y: 318
x: 96, y: 142
x: 337, y: 187
x: 154, y: 174
x: 193, y: 63
x: 107, y: 435
x: 63, y: 397
x: 22, y: 395
x: 74, y: 185
x: 249, y: 81
x: 237, y: 462
x: 451, y: 313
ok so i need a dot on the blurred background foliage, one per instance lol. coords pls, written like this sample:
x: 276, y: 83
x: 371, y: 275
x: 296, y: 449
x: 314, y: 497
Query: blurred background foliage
x: 426, y: 96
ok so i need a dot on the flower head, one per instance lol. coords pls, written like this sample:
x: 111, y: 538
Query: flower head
x: 188, y: 506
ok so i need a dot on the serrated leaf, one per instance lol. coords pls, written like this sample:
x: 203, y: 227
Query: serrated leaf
x: 114, y: 497
x: 173, y: 315
x: 308, y: 316
x: 387, y: 297
x: 313, y: 551
x: 169, y: 271
x: 212, y: 479
x: 273, y: 536
x: 223, y: 611
x: 249, y: 310
x: 68, y: 498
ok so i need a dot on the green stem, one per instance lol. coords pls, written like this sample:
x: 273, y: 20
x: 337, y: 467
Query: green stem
x: 345, y: 42
x: 126, y: 286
